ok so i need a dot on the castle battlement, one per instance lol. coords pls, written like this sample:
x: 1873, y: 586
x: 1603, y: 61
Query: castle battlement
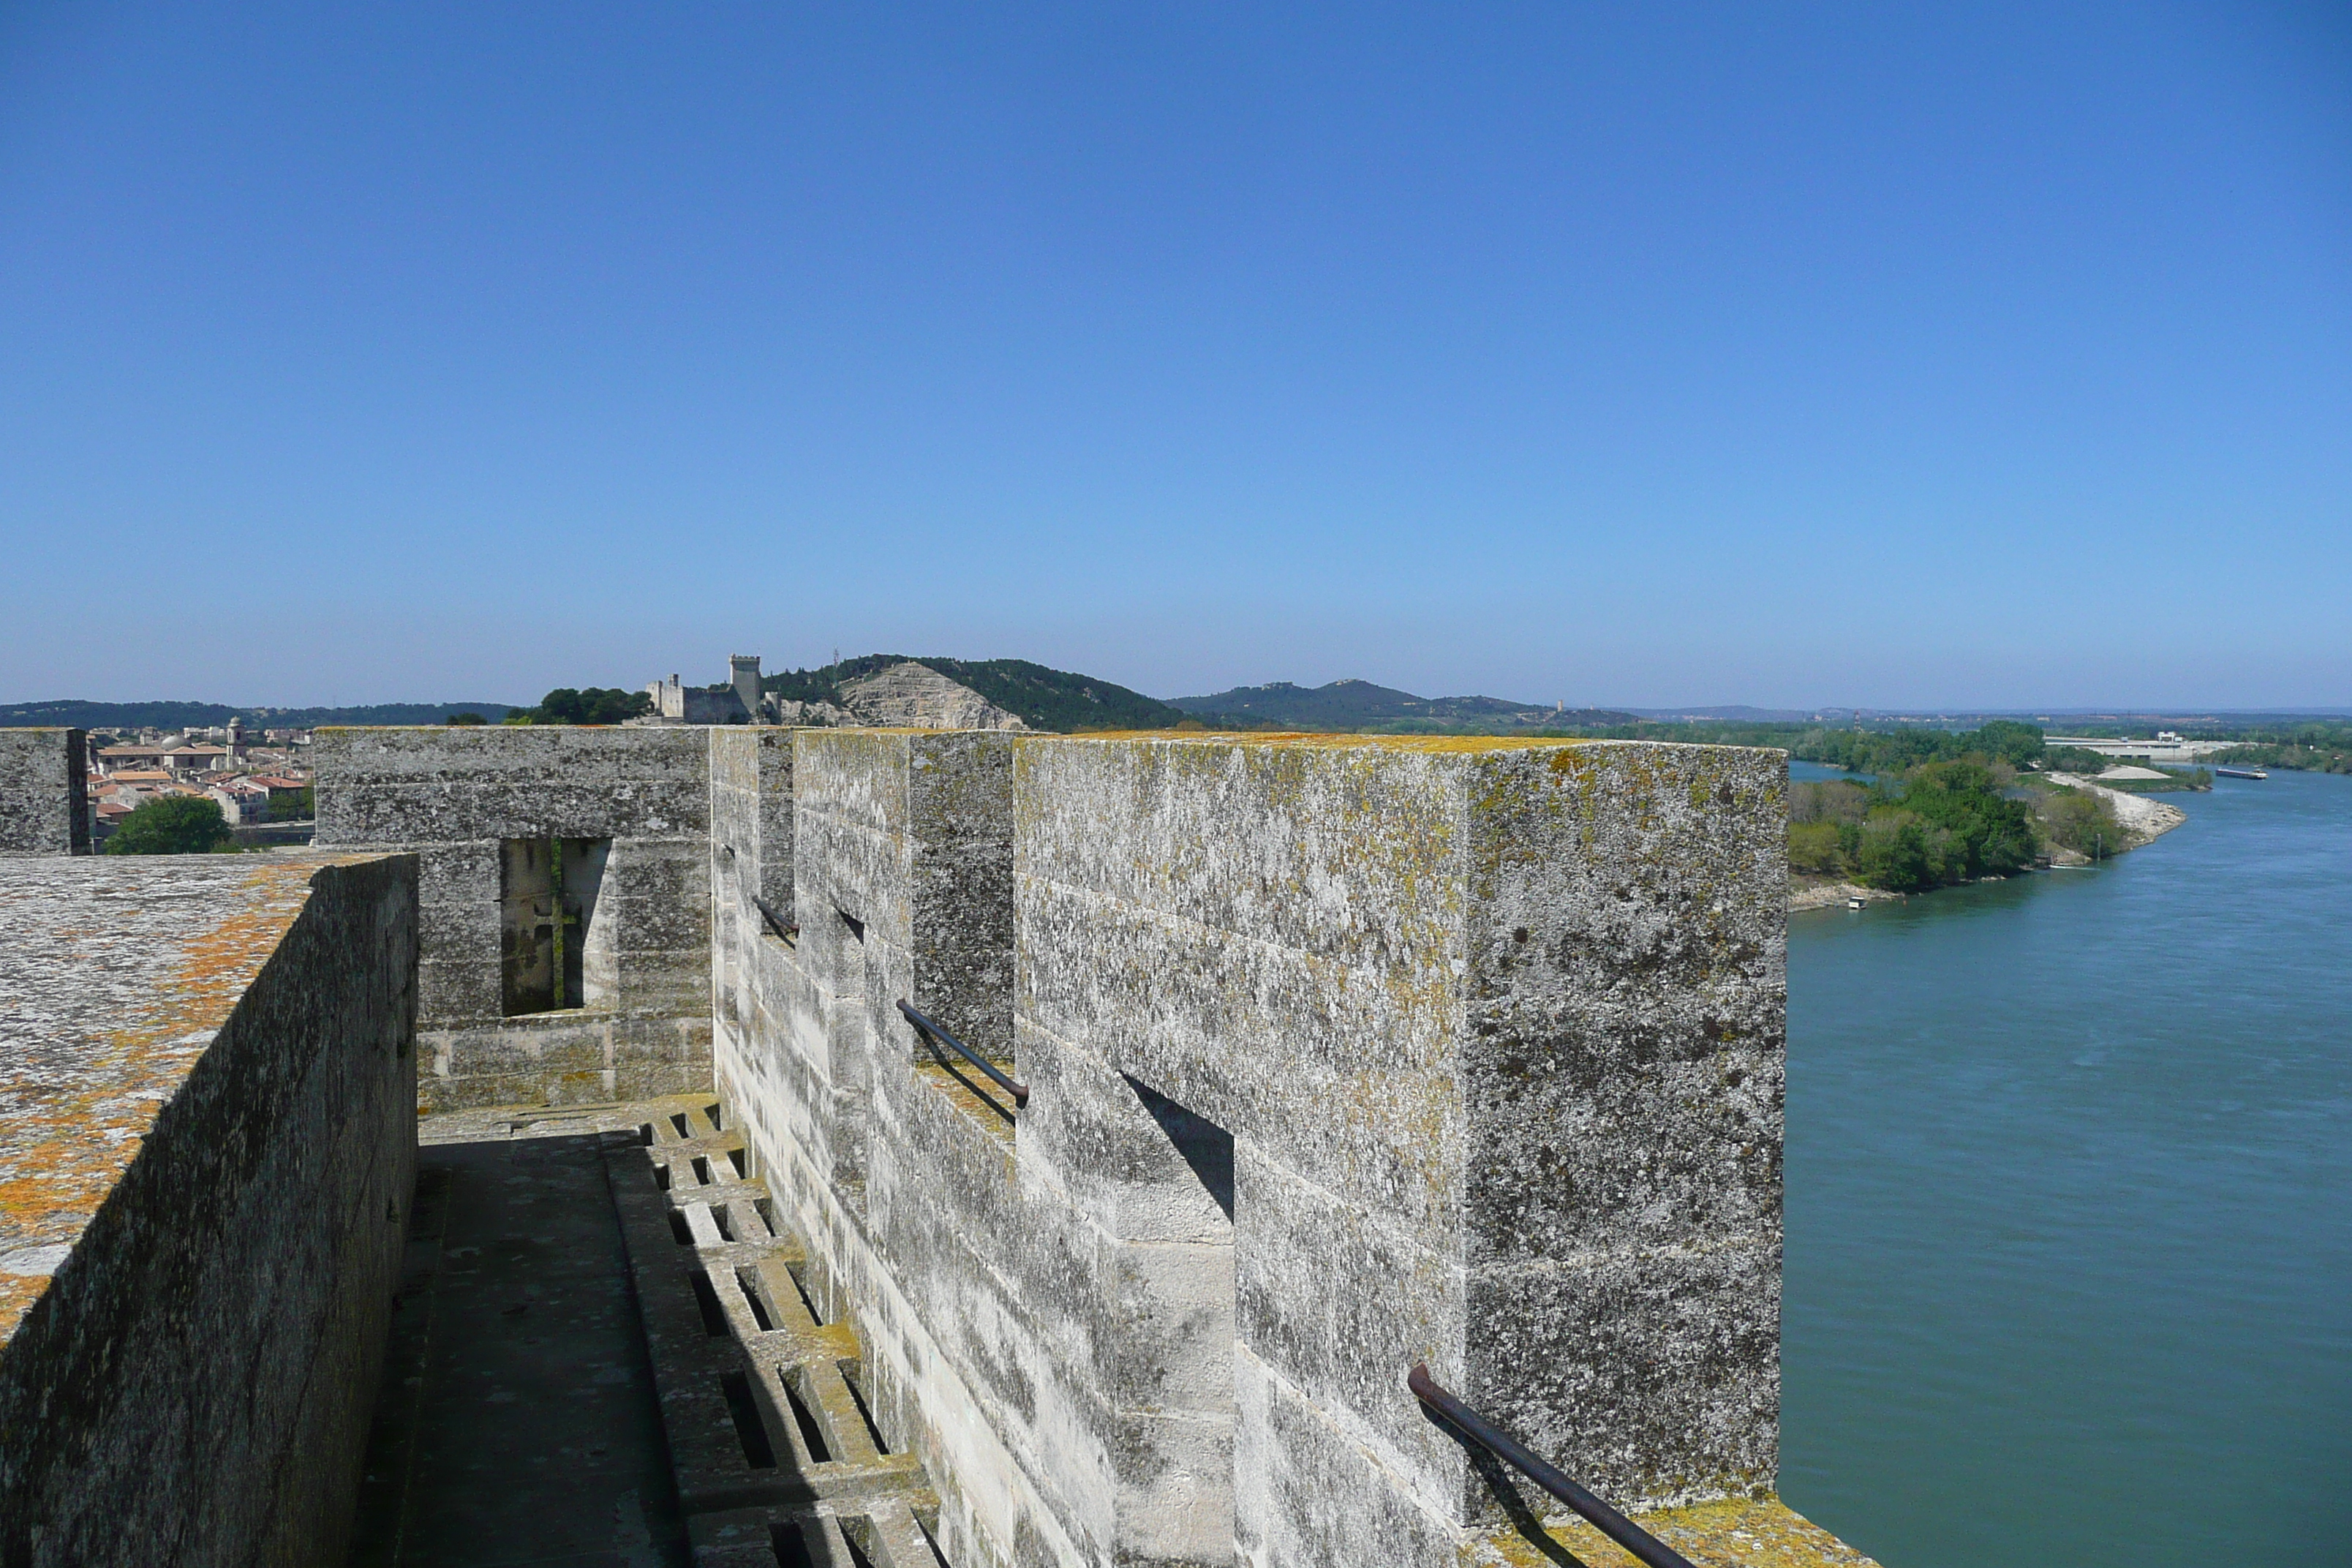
x: 1088, y: 1134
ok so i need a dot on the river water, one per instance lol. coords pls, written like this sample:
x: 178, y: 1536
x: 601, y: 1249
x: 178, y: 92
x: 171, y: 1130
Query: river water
x: 2070, y: 1205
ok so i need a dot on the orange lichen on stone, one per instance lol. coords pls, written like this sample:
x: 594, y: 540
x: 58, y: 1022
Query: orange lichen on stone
x: 121, y: 972
x: 1744, y: 1534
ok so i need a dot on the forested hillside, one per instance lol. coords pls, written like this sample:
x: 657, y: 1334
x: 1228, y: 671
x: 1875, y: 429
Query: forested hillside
x: 1053, y: 699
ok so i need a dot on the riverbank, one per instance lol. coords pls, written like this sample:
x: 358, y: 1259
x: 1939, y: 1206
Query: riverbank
x: 1829, y: 892
x: 2146, y: 820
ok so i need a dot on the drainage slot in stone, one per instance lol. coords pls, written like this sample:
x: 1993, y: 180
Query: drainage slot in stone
x: 714, y: 1114
x: 849, y: 1375
x: 679, y: 1121
x: 701, y: 1171
x: 741, y: 1161
x: 765, y: 1212
x: 705, y: 1296
x: 661, y: 1177
x: 790, y: 1546
x: 645, y: 1133
x: 750, y: 1283
x: 680, y: 1228
x: 854, y: 1532
x: 807, y: 1300
x: 748, y: 1431
x: 720, y: 1218
x: 932, y: 1542
x: 811, y: 1434
x: 857, y: 927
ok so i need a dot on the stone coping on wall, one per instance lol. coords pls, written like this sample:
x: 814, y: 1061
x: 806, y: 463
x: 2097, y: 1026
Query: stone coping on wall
x: 115, y: 973
x: 1760, y: 1532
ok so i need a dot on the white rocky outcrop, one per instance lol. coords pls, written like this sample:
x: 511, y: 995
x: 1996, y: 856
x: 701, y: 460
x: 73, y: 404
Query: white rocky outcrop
x: 911, y: 696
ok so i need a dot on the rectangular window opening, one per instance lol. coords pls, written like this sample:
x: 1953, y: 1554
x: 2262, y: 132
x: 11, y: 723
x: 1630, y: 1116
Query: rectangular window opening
x: 800, y: 1283
x: 790, y: 1546
x: 701, y: 1171
x: 661, y: 1177
x: 850, y: 1375
x: 680, y: 1230
x: 715, y: 1116
x: 749, y: 1431
x: 931, y: 1540
x: 679, y: 1121
x: 754, y: 1293
x: 741, y: 1161
x: 812, y: 1433
x: 705, y: 1296
x: 858, y: 1533
x: 554, y: 955
x: 719, y: 1218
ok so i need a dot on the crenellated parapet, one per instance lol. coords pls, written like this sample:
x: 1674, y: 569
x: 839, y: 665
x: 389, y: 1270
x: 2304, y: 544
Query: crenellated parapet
x: 1340, y: 1056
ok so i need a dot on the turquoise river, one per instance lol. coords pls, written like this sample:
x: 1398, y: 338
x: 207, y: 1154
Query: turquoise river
x: 2070, y: 1205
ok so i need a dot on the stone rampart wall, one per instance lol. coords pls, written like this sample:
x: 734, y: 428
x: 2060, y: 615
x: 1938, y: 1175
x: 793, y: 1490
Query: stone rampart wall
x: 1343, y: 1053
x: 452, y: 795
x: 44, y: 807
x: 192, y: 1384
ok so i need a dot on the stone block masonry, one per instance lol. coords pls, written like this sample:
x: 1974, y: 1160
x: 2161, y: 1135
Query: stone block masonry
x: 630, y: 810
x: 1342, y: 1054
x: 44, y: 799
x: 1496, y: 1030
x: 207, y: 1143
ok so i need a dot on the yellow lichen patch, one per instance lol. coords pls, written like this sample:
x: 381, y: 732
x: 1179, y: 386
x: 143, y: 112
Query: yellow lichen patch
x: 1742, y: 1533
x: 73, y: 1133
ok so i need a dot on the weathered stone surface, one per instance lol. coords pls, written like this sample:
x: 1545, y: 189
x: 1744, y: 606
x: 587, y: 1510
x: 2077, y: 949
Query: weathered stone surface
x: 1497, y: 1029
x: 453, y: 795
x: 1342, y: 1054
x: 44, y: 807
x: 207, y: 1145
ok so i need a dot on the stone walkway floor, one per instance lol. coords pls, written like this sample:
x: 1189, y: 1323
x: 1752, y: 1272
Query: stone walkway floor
x: 517, y: 1422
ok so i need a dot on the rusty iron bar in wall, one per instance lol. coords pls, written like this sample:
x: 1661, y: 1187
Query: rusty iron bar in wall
x: 1606, y: 1519
x: 932, y: 1032
x: 775, y: 921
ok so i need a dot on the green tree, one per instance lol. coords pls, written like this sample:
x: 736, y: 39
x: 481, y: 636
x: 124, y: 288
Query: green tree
x: 463, y: 718
x: 589, y: 705
x: 174, y: 825
x: 2083, y: 822
x: 1990, y: 836
x: 1814, y: 846
x: 2014, y: 743
x: 1892, y: 852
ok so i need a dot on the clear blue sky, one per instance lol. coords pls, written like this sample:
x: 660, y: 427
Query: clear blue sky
x: 1988, y: 354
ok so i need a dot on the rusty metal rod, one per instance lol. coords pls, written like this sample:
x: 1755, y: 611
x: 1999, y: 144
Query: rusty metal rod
x: 1606, y: 1519
x: 775, y: 921
x: 931, y: 1031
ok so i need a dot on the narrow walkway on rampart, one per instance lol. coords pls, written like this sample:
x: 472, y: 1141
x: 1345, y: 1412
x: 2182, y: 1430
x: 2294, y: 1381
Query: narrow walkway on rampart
x: 518, y: 1422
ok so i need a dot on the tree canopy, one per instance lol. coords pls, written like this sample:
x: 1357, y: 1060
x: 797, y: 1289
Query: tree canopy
x: 174, y: 825
x: 588, y: 705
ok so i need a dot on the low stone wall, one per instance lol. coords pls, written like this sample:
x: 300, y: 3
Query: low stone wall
x: 1342, y: 1054
x: 455, y: 796
x: 44, y: 803
x: 207, y: 1143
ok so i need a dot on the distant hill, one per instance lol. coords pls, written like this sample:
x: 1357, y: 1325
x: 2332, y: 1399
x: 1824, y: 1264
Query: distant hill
x: 1052, y: 700
x: 78, y: 715
x: 1360, y: 705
